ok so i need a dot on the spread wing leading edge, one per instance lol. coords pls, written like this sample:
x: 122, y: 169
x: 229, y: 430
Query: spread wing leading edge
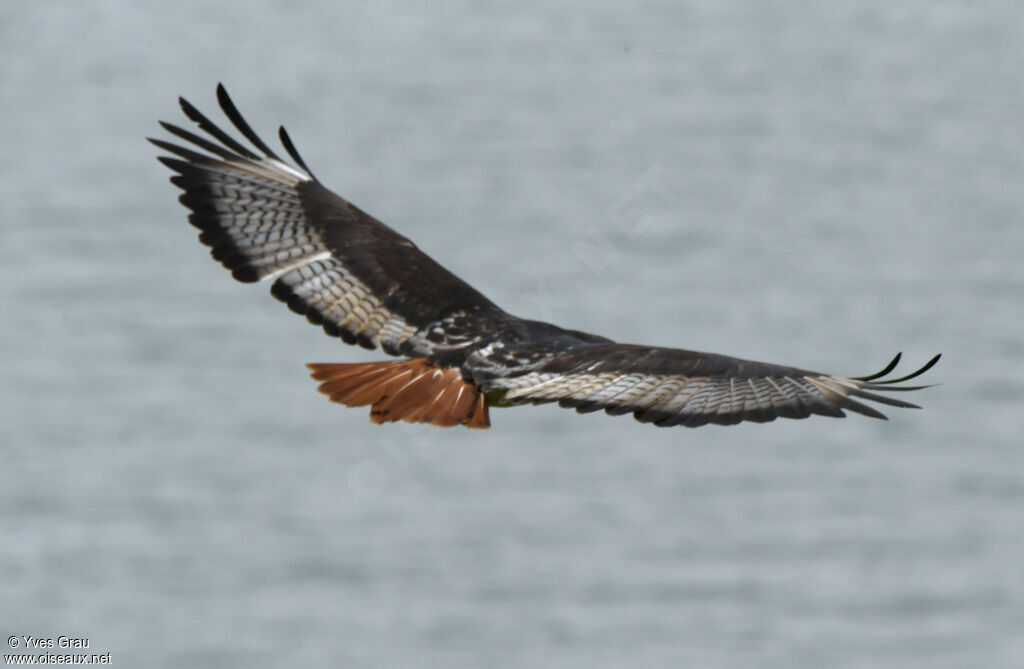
x: 266, y: 219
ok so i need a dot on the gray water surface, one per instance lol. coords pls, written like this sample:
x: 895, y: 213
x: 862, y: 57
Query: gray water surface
x: 819, y: 185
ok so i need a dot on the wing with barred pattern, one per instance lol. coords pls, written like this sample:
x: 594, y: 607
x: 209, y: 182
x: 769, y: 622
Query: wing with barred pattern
x: 332, y: 262
x: 677, y: 387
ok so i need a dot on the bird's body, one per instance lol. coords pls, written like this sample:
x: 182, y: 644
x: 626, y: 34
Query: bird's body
x: 367, y: 284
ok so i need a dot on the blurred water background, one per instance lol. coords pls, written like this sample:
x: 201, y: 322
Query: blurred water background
x: 817, y: 184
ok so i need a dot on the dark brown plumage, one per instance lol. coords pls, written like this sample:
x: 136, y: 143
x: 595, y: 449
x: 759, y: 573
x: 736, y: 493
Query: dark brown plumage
x: 358, y: 279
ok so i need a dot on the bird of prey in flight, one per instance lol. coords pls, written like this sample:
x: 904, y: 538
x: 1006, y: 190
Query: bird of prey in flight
x: 360, y: 280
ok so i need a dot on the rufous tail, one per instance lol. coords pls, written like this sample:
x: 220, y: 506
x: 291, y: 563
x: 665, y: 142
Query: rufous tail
x: 416, y: 390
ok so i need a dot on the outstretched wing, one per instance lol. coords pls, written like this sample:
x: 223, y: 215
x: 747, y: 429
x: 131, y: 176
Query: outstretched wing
x: 676, y: 387
x: 332, y: 262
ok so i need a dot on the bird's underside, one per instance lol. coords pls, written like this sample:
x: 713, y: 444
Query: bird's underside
x: 363, y: 282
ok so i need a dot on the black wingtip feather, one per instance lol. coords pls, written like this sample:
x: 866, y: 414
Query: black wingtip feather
x: 873, y: 378
x: 928, y: 365
x: 294, y: 153
x: 193, y: 138
x: 888, y: 368
x: 176, y: 165
x: 213, y: 130
x: 231, y: 111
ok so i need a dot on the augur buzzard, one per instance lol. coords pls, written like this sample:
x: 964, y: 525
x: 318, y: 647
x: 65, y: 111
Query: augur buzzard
x: 367, y: 284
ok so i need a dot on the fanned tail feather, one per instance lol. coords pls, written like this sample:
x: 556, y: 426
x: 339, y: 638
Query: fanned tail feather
x: 416, y: 391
